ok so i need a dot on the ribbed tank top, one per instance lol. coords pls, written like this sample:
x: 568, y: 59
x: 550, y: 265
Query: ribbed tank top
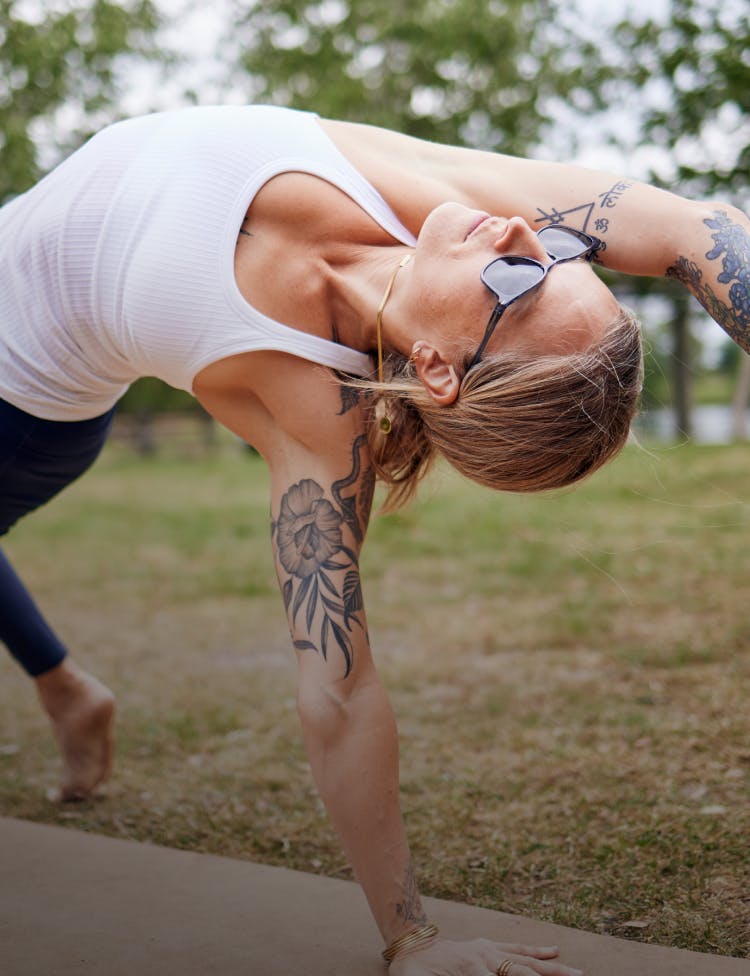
x: 120, y: 263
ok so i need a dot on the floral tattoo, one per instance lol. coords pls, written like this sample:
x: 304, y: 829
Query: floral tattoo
x: 732, y: 244
x: 322, y: 586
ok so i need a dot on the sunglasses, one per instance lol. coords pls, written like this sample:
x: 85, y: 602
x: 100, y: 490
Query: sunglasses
x: 513, y: 276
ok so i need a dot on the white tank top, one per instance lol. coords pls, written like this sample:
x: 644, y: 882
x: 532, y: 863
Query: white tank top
x: 120, y: 263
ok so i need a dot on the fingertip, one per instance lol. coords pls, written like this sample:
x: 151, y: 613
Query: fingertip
x: 539, y: 952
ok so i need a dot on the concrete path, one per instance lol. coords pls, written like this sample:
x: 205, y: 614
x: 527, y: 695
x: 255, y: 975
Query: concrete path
x: 75, y: 903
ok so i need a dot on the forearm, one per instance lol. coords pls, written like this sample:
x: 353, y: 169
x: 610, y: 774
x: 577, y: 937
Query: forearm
x: 353, y: 750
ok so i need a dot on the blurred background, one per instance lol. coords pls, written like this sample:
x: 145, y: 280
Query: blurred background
x: 572, y: 674
x: 649, y: 89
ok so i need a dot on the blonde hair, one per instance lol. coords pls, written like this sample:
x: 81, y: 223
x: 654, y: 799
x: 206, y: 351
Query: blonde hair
x: 517, y: 424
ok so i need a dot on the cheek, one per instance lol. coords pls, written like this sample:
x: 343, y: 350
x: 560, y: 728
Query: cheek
x: 454, y: 307
x: 449, y: 295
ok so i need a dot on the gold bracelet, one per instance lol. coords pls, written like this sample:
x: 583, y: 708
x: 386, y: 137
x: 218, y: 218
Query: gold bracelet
x: 411, y: 940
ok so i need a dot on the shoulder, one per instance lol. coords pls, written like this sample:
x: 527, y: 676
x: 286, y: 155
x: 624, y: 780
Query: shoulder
x: 283, y: 404
x: 416, y: 175
x: 413, y: 175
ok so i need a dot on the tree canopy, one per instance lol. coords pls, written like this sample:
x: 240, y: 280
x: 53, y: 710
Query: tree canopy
x: 55, y: 54
x: 462, y: 71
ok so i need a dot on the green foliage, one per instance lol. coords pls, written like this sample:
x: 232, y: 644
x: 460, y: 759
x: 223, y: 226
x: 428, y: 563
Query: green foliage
x: 459, y: 71
x: 56, y: 54
x: 685, y: 80
x: 701, y: 54
x: 150, y: 395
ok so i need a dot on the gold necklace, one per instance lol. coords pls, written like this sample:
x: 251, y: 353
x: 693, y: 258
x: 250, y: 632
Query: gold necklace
x: 385, y: 421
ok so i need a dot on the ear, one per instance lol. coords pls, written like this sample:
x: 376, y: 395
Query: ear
x: 438, y: 376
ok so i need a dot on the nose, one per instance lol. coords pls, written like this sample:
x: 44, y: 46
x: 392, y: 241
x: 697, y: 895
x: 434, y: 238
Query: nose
x: 518, y: 238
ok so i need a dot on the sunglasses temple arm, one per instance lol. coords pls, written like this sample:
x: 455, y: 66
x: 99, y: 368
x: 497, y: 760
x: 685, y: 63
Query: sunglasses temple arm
x: 494, y: 319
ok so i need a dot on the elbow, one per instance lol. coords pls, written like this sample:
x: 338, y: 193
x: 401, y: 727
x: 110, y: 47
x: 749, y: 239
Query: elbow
x: 322, y: 709
x: 330, y: 710
x: 710, y: 209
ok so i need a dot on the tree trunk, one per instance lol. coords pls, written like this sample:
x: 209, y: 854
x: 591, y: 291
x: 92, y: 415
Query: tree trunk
x: 740, y: 400
x: 681, y: 359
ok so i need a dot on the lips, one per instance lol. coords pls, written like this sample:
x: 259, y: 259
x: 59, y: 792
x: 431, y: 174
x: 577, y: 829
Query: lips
x: 479, y: 219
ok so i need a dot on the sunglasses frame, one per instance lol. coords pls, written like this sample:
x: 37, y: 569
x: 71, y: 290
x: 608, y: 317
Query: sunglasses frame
x: 592, y: 245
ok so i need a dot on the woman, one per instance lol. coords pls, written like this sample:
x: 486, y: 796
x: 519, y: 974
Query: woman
x: 266, y: 260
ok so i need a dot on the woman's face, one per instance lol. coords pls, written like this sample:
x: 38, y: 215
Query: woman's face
x: 566, y: 313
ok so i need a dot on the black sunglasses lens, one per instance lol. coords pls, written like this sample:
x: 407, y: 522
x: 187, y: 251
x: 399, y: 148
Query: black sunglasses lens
x: 561, y: 243
x: 509, y: 279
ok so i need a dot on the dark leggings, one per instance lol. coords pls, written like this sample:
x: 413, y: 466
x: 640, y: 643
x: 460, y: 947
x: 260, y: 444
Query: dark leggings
x: 38, y: 458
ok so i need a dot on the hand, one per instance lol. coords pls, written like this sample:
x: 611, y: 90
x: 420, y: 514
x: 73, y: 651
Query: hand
x: 480, y: 957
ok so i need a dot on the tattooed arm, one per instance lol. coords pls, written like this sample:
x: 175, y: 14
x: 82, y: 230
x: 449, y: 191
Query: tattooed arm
x: 309, y: 429
x: 322, y: 484
x: 648, y: 232
x: 644, y: 230
x: 321, y: 502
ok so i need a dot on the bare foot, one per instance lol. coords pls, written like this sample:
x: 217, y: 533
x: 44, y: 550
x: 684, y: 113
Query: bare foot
x: 82, y: 712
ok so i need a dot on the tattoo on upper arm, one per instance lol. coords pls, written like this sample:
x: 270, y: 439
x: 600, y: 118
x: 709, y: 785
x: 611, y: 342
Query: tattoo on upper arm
x: 732, y: 245
x: 356, y: 507
x: 591, y: 216
x: 349, y: 398
x: 322, y: 587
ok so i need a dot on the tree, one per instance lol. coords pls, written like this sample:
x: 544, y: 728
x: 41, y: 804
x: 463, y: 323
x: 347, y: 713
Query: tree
x: 685, y: 78
x: 700, y: 53
x: 469, y: 72
x: 55, y: 54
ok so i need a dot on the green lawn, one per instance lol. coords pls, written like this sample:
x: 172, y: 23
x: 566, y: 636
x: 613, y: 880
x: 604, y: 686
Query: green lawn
x: 571, y: 675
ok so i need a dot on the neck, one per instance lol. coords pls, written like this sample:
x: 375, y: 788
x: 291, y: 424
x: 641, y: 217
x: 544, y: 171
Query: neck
x: 357, y: 286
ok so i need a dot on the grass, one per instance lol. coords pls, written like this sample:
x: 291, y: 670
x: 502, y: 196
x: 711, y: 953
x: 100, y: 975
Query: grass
x: 571, y: 676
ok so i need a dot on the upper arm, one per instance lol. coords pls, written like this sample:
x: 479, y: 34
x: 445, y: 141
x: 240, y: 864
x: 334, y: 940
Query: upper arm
x: 643, y: 228
x: 321, y: 495
x: 646, y: 231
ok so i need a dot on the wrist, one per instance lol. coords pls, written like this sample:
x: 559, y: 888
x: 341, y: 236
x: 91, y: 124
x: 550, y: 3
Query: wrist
x: 417, y: 938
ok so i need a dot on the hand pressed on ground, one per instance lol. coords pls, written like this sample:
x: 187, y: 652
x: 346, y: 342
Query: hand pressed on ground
x: 480, y: 957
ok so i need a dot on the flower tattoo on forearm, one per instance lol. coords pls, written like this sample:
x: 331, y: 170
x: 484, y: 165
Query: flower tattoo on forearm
x: 732, y: 245
x: 322, y: 589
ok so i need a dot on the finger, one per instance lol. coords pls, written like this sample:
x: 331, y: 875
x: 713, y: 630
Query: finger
x: 536, y: 952
x: 522, y: 967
